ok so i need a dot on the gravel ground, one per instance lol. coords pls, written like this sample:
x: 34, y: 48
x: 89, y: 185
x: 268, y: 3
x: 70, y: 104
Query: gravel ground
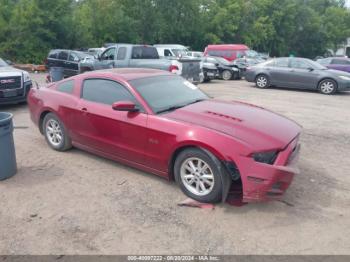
x: 78, y: 203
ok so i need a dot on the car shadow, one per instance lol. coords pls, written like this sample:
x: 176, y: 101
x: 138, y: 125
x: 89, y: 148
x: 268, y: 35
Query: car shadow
x: 13, y: 107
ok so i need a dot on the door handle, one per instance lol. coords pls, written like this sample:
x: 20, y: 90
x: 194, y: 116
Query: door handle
x: 84, y: 110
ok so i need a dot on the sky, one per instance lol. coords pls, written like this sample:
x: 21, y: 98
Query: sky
x: 348, y: 3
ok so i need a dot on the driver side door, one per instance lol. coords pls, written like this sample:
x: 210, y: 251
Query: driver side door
x: 116, y: 134
x: 303, y: 74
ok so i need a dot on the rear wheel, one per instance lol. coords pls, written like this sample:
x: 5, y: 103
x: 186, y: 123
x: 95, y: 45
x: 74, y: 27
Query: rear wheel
x: 262, y: 81
x: 199, y: 175
x: 55, y: 133
x: 226, y: 75
x: 327, y: 87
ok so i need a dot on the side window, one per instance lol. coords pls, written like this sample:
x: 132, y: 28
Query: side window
x: 73, y: 57
x: 340, y: 62
x: 105, y: 91
x: 167, y: 52
x: 325, y: 61
x: 53, y: 54
x: 63, y: 55
x: 66, y: 87
x: 121, y: 53
x: 281, y: 62
x: 144, y: 52
x: 108, y: 54
x: 299, y: 64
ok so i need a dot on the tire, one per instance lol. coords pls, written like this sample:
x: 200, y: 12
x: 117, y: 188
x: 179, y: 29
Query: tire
x: 207, y: 189
x: 262, y: 81
x: 327, y: 87
x: 226, y: 75
x: 55, y: 133
x: 206, y: 79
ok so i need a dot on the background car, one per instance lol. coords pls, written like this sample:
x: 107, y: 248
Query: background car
x: 159, y: 122
x: 338, y: 63
x: 196, y: 54
x: 227, y: 70
x: 229, y: 52
x: 171, y: 50
x: 210, y: 71
x: 298, y: 73
x: 69, y: 60
x: 14, y: 84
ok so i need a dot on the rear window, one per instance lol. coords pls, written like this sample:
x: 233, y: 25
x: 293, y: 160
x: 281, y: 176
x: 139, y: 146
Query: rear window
x: 66, y: 87
x: 340, y: 62
x: 281, y: 62
x: 144, y: 52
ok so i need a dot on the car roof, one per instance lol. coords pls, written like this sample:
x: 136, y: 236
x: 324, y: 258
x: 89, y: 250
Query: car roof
x: 228, y: 47
x: 127, y: 74
x: 171, y: 46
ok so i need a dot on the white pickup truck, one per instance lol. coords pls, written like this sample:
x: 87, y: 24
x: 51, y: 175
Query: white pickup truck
x: 143, y: 56
x: 14, y: 84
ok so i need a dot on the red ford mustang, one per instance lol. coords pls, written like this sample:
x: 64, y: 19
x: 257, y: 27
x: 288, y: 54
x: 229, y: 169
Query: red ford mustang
x: 160, y: 123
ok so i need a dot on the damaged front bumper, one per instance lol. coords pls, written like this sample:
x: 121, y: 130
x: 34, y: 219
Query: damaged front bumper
x: 264, y: 182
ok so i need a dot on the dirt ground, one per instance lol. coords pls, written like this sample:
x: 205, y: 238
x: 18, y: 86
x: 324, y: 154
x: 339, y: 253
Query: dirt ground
x: 78, y: 203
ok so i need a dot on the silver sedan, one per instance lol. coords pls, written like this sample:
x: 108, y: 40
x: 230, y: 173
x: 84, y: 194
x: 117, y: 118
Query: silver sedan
x: 299, y: 73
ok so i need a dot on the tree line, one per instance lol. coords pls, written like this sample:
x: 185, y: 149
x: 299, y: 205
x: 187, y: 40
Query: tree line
x: 30, y: 28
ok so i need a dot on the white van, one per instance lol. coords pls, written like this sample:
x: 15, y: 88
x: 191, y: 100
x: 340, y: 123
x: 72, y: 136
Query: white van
x: 171, y: 50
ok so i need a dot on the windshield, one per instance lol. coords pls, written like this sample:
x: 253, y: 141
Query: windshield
x: 3, y: 63
x: 251, y: 53
x: 168, y: 92
x: 180, y: 52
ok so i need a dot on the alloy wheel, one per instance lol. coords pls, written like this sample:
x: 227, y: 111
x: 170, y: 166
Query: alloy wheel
x: 226, y: 75
x: 261, y: 81
x: 327, y: 87
x: 54, y: 132
x: 197, y: 176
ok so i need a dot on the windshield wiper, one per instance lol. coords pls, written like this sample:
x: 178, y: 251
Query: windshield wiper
x: 172, y: 108
x: 195, y: 101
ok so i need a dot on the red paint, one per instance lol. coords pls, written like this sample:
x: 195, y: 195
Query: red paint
x: 229, y: 52
x: 232, y: 131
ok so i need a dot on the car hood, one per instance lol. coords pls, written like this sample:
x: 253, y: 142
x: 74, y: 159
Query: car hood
x: 256, y: 126
x: 10, y: 71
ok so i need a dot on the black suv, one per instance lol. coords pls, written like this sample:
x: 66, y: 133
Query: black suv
x: 70, y: 60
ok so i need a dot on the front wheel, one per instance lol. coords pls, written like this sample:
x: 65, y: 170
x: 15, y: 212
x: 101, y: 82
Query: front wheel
x: 199, y: 175
x: 55, y: 133
x: 226, y: 75
x: 327, y: 87
x: 262, y: 81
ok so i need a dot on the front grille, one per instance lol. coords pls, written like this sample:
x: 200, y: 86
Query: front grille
x: 10, y: 82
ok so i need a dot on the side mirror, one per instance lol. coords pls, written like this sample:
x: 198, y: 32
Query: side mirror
x: 9, y: 62
x: 127, y: 106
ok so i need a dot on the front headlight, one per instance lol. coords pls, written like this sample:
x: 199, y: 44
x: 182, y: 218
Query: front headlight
x: 265, y: 157
x: 26, y: 77
x: 345, y: 78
